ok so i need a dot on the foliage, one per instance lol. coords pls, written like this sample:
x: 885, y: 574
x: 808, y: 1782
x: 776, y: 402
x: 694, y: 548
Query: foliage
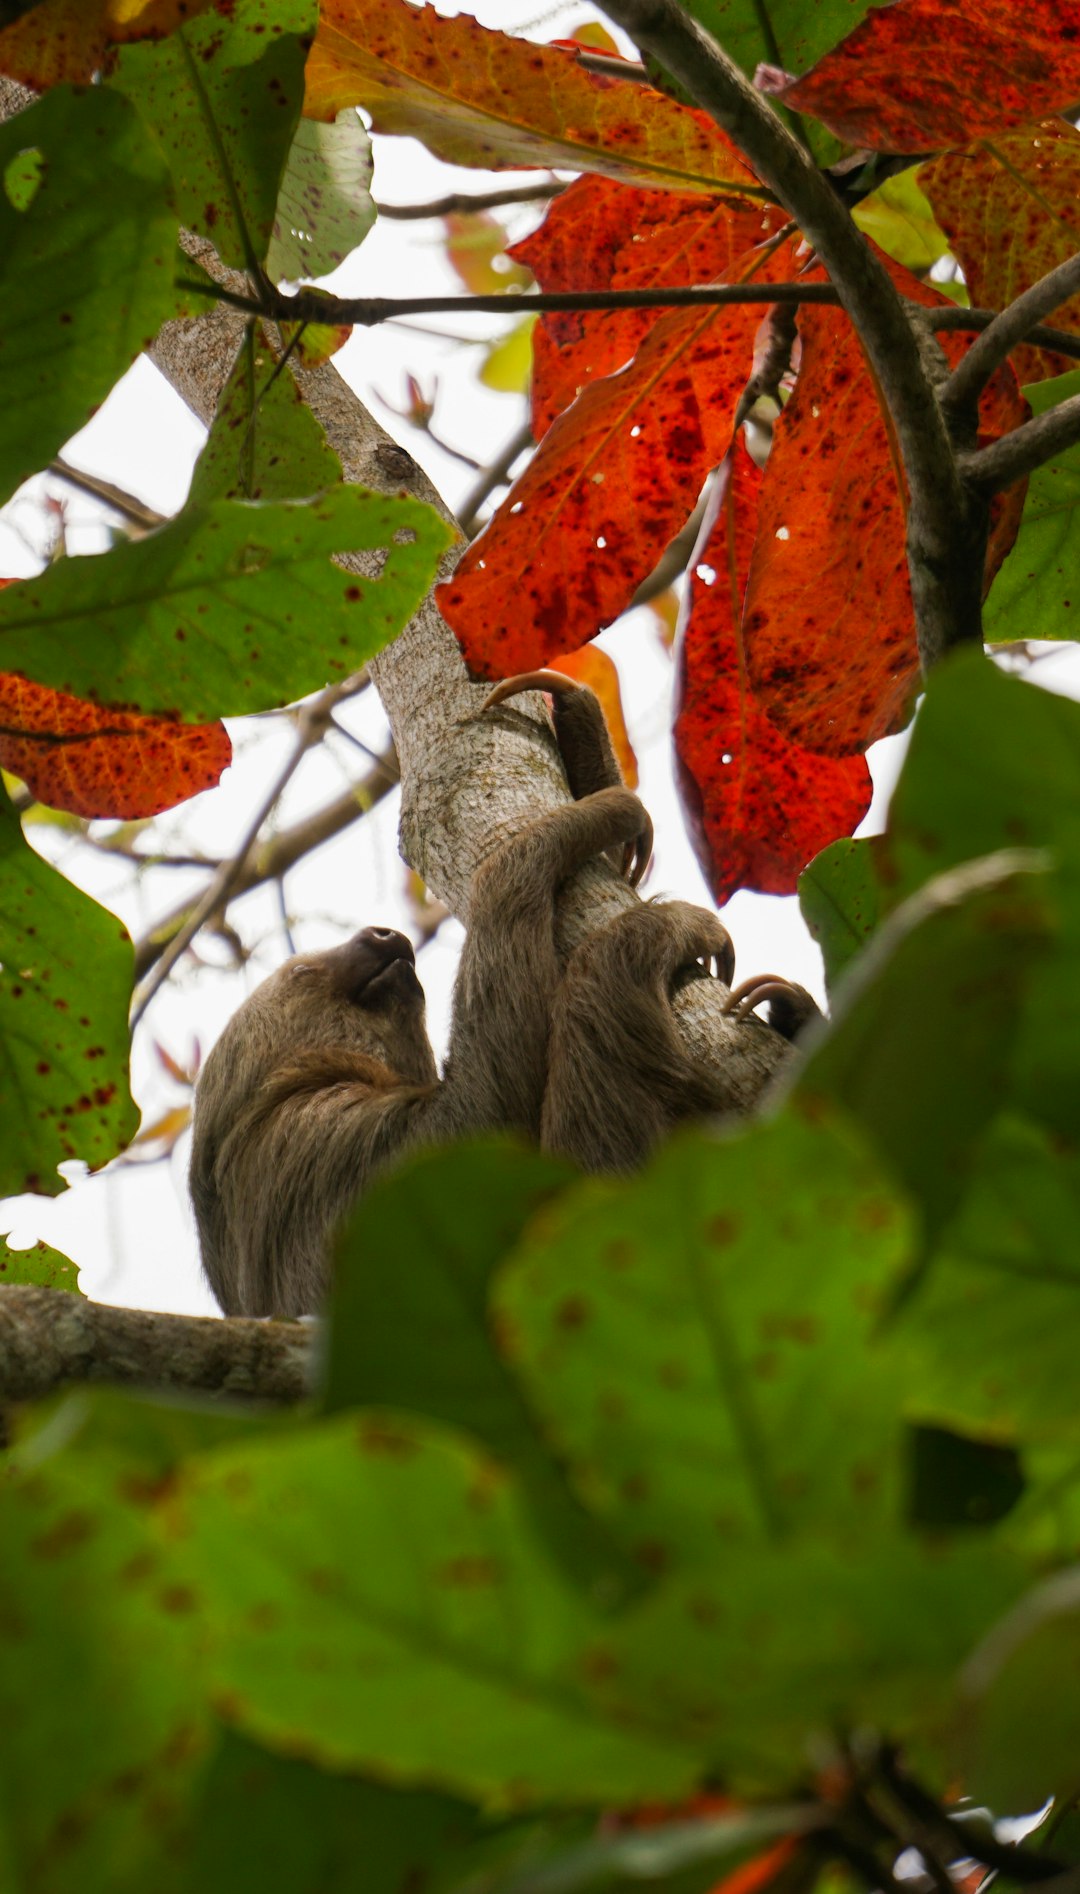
x: 763, y: 1462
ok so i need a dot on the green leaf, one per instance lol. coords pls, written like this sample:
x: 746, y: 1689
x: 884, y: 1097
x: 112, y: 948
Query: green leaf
x: 1018, y: 1739
x: 675, y: 1332
x: 220, y: 98
x: 993, y: 1326
x: 65, y: 985
x: 376, y: 1598
x: 231, y: 608
x: 1037, y: 592
x: 421, y: 1337
x: 325, y: 207
x: 39, y: 1265
x: 265, y: 443
x: 86, y: 266
x: 925, y: 1031
x: 840, y: 901
x: 899, y: 217
x: 994, y: 763
x: 784, y: 33
x: 97, y: 1689
x: 268, y: 1822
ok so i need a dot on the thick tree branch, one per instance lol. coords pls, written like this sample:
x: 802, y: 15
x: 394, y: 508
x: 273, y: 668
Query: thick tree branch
x: 1017, y: 454
x: 959, y: 397
x: 946, y: 526
x: 468, y: 780
x: 49, y: 1337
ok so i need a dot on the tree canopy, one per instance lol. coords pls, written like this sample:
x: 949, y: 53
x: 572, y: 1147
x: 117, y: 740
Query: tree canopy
x: 710, y: 1527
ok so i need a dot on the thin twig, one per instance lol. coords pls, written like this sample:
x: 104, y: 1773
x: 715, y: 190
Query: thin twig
x: 493, y: 476
x: 369, y: 311
x: 1013, y: 326
x: 1018, y: 454
x: 113, y: 496
x: 286, y: 848
x: 311, y: 725
x: 462, y: 203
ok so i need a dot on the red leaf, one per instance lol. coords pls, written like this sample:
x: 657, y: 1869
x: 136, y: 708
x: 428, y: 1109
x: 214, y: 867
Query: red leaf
x: 830, y: 630
x: 1011, y: 212
x: 600, y: 235
x: 136, y: 767
x: 612, y: 482
x: 757, y: 806
x: 923, y: 74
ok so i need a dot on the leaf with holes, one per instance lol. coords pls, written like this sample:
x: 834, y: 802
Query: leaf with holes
x: 612, y: 482
x: 926, y: 73
x: 478, y: 97
x: 65, y: 983
x: 603, y: 235
x: 214, y: 613
x: 757, y: 806
x: 829, y: 624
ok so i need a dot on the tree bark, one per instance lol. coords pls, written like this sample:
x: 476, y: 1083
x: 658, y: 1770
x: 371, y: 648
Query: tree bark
x: 468, y: 779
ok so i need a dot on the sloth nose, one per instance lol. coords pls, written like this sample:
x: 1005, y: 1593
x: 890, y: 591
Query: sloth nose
x: 387, y: 943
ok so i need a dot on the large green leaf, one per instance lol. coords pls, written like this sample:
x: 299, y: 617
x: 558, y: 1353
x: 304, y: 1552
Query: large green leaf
x: 410, y: 1324
x: 1037, y: 592
x: 87, y: 245
x: 676, y: 1332
x: 230, y: 608
x: 994, y: 763
x: 220, y: 97
x: 1018, y: 1738
x: 993, y: 1328
x: 926, y: 1030
x: 100, y: 1701
x: 375, y: 1596
x: 265, y: 443
x: 65, y: 984
x: 267, y: 1822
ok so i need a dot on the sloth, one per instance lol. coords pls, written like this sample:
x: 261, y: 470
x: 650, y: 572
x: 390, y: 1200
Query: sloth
x: 325, y: 1076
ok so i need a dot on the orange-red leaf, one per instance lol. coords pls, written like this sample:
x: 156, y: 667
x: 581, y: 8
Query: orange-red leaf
x: 757, y: 806
x: 923, y: 74
x: 830, y: 629
x: 67, y: 40
x: 479, y: 97
x: 612, y: 482
x: 137, y: 766
x: 602, y: 235
x: 1011, y: 212
x: 593, y: 667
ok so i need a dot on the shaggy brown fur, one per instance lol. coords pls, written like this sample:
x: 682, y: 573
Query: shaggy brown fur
x: 325, y: 1075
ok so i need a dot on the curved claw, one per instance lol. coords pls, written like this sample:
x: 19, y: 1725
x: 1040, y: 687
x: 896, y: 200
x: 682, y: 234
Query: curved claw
x: 638, y: 854
x: 750, y: 993
x: 529, y: 681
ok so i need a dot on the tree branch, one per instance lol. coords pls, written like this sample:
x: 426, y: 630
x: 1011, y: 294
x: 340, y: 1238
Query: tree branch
x: 946, y: 526
x: 272, y: 860
x: 960, y: 395
x: 1017, y: 454
x: 463, y: 203
x: 49, y: 1337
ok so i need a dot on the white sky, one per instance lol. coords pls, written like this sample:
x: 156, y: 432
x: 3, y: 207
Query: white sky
x: 129, y: 1228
